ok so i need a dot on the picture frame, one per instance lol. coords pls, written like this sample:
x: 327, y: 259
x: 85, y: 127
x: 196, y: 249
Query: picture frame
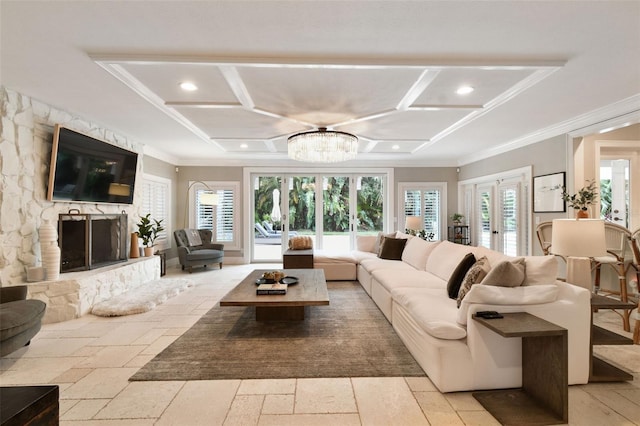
x: 547, y: 193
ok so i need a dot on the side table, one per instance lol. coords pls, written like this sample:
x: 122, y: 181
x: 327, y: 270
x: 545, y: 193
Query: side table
x: 29, y: 405
x: 544, y: 396
x: 298, y: 259
x: 600, y: 370
x: 163, y: 263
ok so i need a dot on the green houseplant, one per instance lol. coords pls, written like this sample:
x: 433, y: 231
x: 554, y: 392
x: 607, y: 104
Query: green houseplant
x: 148, y: 230
x: 582, y: 199
x: 457, y: 218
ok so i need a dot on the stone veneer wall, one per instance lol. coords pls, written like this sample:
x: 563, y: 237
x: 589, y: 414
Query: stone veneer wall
x: 26, y: 135
x: 77, y: 292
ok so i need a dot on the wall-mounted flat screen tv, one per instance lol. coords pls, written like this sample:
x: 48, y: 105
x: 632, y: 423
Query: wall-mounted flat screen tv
x: 85, y: 169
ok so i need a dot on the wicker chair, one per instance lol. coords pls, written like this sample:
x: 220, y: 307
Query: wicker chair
x: 634, y: 240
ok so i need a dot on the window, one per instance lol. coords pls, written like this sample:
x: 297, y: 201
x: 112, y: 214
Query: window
x: 224, y: 215
x: 426, y: 200
x: 156, y: 199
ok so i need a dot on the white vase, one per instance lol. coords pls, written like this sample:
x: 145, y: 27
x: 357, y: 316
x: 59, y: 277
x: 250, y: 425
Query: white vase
x: 47, y: 234
x: 51, y: 261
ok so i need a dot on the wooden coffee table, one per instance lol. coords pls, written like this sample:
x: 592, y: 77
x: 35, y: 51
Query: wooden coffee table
x: 311, y: 290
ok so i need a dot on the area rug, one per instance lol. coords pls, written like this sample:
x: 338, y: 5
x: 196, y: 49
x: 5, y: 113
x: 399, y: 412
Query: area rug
x: 143, y: 298
x: 348, y: 338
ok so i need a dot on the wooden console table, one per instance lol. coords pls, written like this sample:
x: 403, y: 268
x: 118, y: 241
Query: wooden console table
x: 544, y: 396
x: 29, y: 405
x: 600, y: 370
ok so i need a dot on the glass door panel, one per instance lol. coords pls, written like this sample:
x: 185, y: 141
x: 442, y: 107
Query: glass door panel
x: 508, y: 220
x: 302, y: 207
x: 267, y: 232
x: 336, y: 220
x: 614, y: 191
x: 370, y: 205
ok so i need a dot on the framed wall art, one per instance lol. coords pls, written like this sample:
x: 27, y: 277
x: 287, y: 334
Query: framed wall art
x: 547, y: 193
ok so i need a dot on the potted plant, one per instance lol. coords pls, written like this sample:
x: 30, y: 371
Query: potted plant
x: 148, y: 230
x: 581, y: 200
x: 457, y: 218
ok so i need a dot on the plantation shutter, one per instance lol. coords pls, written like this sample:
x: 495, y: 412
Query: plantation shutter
x: 412, y: 203
x: 431, y: 217
x: 484, y: 218
x: 509, y: 219
x: 204, y: 213
x: 155, y: 193
x: 222, y: 219
x: 225, y: 224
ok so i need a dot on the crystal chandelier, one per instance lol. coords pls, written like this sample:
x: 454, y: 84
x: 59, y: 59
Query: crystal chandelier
x: 322, y: 146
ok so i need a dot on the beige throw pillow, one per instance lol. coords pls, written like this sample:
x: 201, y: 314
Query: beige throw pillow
x: 474, y: 275
x: 506, y: 274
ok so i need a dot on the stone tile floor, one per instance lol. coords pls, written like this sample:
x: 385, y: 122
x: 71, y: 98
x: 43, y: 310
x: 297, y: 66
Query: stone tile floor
x: 91, y: 359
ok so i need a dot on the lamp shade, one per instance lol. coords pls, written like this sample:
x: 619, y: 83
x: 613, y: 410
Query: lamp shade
x: 414, y: 223
x: 209, y: 199
x: 578, y: 238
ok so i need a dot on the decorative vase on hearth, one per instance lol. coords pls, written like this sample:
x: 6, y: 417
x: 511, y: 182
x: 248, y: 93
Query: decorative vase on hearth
x: 51, y: 261
x: 135, y: 247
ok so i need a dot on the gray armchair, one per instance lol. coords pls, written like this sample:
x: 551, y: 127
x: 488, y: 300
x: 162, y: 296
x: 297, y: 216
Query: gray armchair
x: 20, y: 319
x: 195, y: 248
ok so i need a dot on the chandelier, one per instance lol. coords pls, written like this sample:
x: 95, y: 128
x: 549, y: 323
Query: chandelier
x: 322, y: 146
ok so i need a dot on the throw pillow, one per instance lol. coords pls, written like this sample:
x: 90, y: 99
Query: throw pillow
x: 392, y: 248
x: 380, y: 240
x: 300, y: 242
x: 193, y: 236
x: 506, y: 274
x: 474, y: 275
x: 455, y: 280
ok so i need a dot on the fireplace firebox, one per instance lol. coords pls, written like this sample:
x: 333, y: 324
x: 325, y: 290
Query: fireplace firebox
x: 90, y: 241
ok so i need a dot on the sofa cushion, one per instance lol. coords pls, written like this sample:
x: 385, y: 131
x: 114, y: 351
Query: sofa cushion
x: 506, y: 274
x: 445, y: 257
x: 193, y: 237
x: 327, y: 256
x: 476, y: 273
x: 366, y: 243
x: 375, y: 263
x: 417, y: 251
x: 360, y: 256
x: 516, y: 296
x: 455, y: 280
x: 392, y: 278
x: 205, y: 254
x: 392, y: 248
x: 540, y: 270
x: 432, y: 310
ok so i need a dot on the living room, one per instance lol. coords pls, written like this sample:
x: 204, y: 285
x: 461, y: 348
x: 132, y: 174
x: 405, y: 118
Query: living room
x: 541, y: 140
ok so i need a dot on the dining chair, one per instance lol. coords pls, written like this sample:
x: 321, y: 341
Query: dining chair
x: 543, y: 231
x: 634, y: 240
x: 618, y: 257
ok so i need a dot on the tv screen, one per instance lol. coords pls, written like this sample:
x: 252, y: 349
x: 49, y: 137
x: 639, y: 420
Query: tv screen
x: 85, y: 169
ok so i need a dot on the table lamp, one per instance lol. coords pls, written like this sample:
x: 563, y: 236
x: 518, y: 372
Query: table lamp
x: 578, y: 241
x: 413, y: 224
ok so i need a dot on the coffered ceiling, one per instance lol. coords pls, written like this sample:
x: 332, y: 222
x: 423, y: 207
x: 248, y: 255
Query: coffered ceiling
x: 387, y: 72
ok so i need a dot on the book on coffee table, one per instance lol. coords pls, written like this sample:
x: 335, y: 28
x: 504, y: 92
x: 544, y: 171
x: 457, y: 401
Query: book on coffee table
x: 275, y: 288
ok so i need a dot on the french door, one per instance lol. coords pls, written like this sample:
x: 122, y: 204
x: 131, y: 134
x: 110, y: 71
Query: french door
x: 500, y: 210
x: 348, y: 204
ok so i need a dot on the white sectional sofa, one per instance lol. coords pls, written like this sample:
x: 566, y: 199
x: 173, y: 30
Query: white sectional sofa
x: 456, y: 352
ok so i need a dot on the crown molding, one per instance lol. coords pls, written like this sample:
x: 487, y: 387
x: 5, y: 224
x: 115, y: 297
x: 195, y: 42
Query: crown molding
x: 618, y: 113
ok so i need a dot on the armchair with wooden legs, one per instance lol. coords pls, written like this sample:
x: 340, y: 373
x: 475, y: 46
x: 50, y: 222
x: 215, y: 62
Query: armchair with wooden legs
x: 617, y: 242
x: 634, y: 240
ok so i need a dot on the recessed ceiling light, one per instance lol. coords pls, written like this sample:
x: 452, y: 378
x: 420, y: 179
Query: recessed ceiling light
x: 395, y: 147
x: 188, y: 86
x: 244, y: 146
x: 464, y: 90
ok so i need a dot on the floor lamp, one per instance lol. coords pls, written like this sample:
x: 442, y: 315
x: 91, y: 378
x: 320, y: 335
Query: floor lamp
x: 207, y: 199
x: 578, y: 241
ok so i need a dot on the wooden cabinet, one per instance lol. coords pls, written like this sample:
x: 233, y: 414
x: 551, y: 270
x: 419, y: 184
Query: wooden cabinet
x: 459, y: 234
